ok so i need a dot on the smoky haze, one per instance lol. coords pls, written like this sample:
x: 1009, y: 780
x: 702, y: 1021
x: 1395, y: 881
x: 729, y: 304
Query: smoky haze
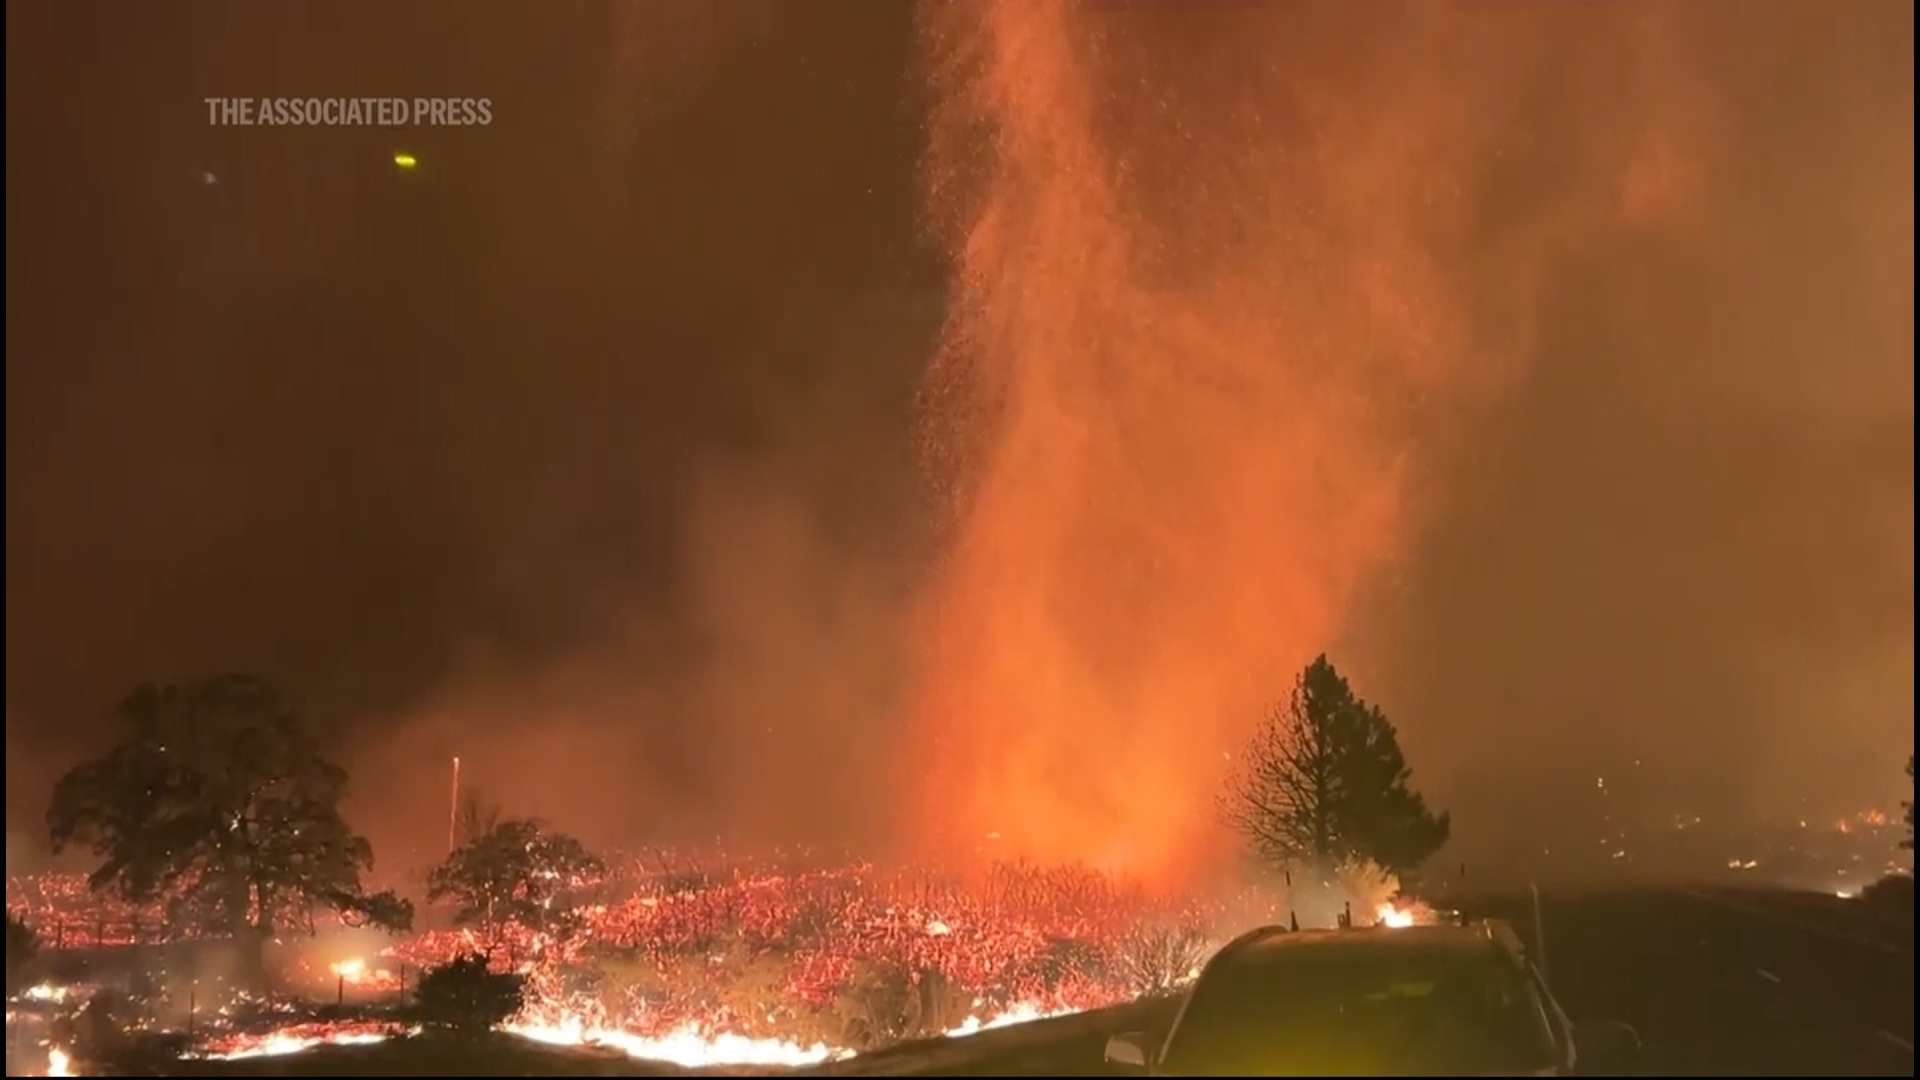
x: 588, y: 452
x: 581, y: 452
x: 1686, y: 538
x: 1551, y: 363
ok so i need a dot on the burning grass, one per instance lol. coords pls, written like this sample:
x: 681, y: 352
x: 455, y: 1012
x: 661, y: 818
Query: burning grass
x: 747, y: 964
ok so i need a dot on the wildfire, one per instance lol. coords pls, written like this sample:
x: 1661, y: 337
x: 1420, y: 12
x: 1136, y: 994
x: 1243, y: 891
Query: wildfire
x: 686, y: 1046
x: 1019, y: 1014
x: 1864, y: 819
x: 764, y: 967
x: 296, y: 1039
x: 357, y: 973
x: 1393, y: 917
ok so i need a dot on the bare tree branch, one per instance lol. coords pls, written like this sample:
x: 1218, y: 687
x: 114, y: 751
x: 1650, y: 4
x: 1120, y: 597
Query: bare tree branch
x: 1322, y: 781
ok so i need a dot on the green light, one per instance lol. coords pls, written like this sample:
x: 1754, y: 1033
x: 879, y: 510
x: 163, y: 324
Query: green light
x: 405, y: 161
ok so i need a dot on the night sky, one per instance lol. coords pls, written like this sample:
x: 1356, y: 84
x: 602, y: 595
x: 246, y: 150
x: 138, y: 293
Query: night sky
x: 586, y: 449
x: 340, y: 425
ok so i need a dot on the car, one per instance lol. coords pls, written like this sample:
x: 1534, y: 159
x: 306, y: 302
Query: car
x: 1434, y: 1000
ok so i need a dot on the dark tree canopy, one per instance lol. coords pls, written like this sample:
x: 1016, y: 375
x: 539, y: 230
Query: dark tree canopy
x: 476, y: 817
x: 464, y: 996
x: 515, y: 872
x: 1908, y: 806
x: 1323, y: 782
x: 22, y: 945
x: 217, y: 798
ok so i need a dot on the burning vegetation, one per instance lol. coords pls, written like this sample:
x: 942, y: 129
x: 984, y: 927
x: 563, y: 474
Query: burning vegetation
x: 229, y: 900
x: 682, y: 960
x: 228, y: 917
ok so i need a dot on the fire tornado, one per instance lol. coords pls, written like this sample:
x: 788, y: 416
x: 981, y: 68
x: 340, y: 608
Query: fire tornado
x: 1216, y: 270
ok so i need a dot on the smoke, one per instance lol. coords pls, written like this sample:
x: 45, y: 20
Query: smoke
x: 1233, y: 285
x: 776, y: 669
x: 582, y: 450
x: 1550, y: 365
x: 1680, y: 554
x: 725, y: 711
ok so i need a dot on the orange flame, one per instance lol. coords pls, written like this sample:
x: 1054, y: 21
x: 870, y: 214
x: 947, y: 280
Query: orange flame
x: 1197, y: 324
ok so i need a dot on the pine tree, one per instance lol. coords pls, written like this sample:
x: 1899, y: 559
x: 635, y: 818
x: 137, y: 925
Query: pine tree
x: 1323, y: 782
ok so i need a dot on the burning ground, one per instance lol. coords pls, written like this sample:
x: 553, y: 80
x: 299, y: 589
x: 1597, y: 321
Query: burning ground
x: 687, y: 962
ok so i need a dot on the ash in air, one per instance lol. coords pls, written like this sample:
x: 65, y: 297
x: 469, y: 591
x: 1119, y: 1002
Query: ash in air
x: 976, y: 443
x: 825, y: 525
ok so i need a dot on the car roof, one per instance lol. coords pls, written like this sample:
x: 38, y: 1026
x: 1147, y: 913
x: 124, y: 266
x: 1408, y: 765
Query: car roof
x: 1271, y: 944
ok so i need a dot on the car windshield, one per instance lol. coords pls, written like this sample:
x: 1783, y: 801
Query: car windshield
x: 1351, y: 1009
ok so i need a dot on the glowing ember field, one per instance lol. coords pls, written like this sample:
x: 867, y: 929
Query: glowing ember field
x: 747, y: 966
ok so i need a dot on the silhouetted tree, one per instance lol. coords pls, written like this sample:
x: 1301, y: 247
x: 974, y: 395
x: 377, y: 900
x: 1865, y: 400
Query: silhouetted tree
x: 465, y: 997
x: 477, y: 817
x: 22, y: 945
x: 1323, y: 782
x: 218, y: 799
x: 516, y: 872
x: 1908, y: 806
